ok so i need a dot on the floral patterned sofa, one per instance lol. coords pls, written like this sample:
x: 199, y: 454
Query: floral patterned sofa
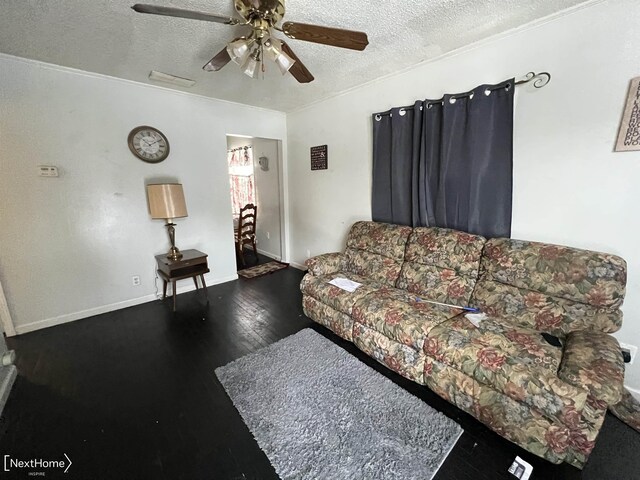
x: 549, y: 399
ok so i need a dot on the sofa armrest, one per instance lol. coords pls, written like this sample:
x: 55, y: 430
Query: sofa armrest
x: 325, y: 263
x: 593, y: 360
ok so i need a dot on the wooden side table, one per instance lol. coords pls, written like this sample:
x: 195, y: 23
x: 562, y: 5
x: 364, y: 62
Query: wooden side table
x: 193, y: 264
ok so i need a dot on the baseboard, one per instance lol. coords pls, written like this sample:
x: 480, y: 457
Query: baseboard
x: 634, y: 392
x: 299, y: 266
x: 72, y: 317
x: 270, y: 255
x: 90, y: 312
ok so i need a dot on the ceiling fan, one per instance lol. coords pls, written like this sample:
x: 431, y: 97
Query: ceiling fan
x: 250, y: 50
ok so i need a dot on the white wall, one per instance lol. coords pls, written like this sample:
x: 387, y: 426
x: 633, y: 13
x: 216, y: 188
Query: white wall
x: 71, y: 244
x: 268, y: 191
x: 569, y: 187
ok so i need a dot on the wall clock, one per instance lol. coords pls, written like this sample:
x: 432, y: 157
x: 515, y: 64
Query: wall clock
x: 148, y: 144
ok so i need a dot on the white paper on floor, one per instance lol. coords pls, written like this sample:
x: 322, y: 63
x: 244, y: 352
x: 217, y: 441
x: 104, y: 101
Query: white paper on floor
x: 520, y: 469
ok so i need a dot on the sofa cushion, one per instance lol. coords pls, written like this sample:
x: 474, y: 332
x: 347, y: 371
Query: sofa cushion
x: 441, y: 264
x: 526, y: 345
x: 318, y: 287
x: 376, y: 250
x: 514, y: 361
x: 400, y: 315
x: 551, y: 288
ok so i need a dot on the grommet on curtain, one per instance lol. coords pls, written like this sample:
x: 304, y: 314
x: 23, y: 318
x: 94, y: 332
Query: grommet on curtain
x: 508, y: 87
x: 487, y: 92
x: 402, y: 112
x: 452, y: 100
x: 378, y: 117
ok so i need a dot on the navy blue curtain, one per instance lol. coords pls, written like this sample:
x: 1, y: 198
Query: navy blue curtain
x: 447, y: 163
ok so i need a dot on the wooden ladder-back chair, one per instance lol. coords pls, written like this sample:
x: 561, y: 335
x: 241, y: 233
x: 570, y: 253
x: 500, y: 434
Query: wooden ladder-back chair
x: 246, y: 233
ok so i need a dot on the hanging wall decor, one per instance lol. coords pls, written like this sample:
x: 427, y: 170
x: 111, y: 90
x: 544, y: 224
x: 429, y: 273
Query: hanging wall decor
x: 319, y: 157
x: 629, y: 133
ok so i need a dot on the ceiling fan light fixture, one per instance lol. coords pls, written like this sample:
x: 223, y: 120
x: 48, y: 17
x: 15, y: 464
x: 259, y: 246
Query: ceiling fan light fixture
x: 209, y: 67
x: 251, y: 65
x: 238, y: 50
x: 284, y: 62
x: 273, y: 47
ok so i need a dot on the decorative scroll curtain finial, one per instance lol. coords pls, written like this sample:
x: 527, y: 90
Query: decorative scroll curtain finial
x: 539, y: 79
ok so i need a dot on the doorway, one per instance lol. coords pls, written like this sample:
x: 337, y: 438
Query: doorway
x: 255, y: 177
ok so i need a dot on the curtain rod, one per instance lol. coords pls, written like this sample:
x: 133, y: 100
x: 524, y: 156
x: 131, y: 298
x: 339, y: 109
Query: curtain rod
x: 539, y: 80
x: 239, y: 148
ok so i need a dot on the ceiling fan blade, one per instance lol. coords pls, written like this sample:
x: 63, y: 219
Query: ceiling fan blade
x: 217, y: 62
x: 298, y: 70
x: 179, y: 12
x: 336, y: 37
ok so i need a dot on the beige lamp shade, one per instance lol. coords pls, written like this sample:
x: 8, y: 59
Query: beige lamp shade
x: 166, y: 200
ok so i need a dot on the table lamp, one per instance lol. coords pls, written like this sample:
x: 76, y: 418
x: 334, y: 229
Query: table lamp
x: 166, y: 201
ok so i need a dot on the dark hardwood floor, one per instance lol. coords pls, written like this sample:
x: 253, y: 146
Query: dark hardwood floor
x: 132, y: 395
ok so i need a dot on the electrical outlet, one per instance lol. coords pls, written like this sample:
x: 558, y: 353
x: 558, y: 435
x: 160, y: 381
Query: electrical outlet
x: 632, y: 350
x: 135, y: 280
x: 268, y: 235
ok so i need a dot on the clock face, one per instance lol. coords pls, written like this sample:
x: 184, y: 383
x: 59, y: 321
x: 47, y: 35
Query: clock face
x: 148, y: 144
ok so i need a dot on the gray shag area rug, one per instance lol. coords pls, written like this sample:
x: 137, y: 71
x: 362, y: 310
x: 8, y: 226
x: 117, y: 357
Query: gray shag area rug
x: 320, y: 413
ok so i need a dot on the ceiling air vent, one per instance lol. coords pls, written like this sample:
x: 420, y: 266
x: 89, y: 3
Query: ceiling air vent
x: 171, y: 79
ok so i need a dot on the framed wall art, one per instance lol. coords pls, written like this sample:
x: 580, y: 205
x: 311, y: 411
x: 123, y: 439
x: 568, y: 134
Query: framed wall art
x: 319, y: 157
x: 629, y: 133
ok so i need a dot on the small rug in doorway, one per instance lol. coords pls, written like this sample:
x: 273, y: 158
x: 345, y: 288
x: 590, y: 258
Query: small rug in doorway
x: 319, y: 412
x: 263, y: 269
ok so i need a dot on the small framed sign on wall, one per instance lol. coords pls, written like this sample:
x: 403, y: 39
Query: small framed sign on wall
x: 319, y: 158
x: 629, y: 133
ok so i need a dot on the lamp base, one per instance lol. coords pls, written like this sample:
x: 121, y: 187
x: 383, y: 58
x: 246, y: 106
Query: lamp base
x: 174, y: 253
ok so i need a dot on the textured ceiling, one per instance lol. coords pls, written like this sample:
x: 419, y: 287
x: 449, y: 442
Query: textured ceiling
x: 106, y: 36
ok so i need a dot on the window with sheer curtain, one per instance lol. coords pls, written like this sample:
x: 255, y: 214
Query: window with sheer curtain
x: 243, y: 189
